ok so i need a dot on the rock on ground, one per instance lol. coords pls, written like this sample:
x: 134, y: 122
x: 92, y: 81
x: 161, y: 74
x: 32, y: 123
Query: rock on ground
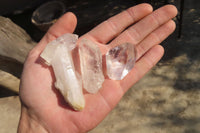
x: 9, y: 114
x: 9, y: 81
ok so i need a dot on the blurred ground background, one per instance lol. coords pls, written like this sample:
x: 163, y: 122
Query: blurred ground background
x: 166, y: 100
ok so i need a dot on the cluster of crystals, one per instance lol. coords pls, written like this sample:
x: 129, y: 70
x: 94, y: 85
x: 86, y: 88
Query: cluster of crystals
x: 119, y: 61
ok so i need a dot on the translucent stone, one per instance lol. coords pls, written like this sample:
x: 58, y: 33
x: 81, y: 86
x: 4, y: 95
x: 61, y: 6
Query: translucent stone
x: 91, y: 66
x: 120, y: 60
x: 49, y: 51
x: 58, y: 54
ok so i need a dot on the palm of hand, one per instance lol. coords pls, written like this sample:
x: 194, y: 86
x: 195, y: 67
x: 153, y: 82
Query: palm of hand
x: 45, y: 104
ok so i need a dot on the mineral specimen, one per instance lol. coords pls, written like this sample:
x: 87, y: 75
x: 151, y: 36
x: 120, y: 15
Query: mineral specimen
x: 58, y: 54
x: 91, y: 65
x: 120, y: 60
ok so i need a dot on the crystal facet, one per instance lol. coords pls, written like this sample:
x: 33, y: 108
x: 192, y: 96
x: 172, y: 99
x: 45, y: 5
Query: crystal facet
x: 58, y: 54
x: 120, y: 60
x: 91, y: 66
x: 49, y: 51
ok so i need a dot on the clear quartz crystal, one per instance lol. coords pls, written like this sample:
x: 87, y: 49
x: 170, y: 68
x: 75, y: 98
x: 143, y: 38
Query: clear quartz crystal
x: 120, y: 60
x: 58, y: 54
x: 91, y: 65
x: 49, y: 52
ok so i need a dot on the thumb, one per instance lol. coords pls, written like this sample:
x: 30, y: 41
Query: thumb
x: 66, y: 24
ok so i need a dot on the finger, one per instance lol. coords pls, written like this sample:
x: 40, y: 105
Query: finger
x: 154, y: 38
x: 142, y: 66
x: 110, y: 28
x: 66, y: 24
x: 140, y: 30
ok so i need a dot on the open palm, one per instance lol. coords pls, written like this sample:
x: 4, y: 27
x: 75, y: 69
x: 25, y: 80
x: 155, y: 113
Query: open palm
x: 46, y: 106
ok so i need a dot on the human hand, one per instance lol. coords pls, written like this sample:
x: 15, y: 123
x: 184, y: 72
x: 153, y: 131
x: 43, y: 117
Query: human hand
x: 44, y: 108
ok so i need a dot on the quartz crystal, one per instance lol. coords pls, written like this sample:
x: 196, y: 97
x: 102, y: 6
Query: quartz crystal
x: 91, y: 65
x: 49, y: 52
x: 120, y: 60
x: 58, y: 54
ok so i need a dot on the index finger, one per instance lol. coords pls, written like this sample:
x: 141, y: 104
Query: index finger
x: 110, y: 28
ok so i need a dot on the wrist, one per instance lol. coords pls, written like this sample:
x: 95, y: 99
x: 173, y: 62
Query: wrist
x: 29, y: 124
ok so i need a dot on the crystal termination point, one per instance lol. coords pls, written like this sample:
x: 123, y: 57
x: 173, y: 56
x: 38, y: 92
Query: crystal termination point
x: 120, y: 60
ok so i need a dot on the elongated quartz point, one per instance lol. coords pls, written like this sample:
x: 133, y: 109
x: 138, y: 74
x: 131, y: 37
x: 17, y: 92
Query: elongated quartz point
x: 91, y: 66
x: 120, y: 60
x: 58, y: 54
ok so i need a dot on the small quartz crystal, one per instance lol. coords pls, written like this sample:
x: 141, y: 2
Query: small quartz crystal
x: 91, y: 65
x: 120, y: 60
x: 58, y: 54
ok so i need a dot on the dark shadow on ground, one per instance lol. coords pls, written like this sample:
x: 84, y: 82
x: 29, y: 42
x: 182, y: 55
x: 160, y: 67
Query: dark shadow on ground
x: 6, y: 93
x: 174, y: 119
x: 189, y: 45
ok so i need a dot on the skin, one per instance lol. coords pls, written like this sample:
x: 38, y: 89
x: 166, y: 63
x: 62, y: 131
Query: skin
x: 43, y: 107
